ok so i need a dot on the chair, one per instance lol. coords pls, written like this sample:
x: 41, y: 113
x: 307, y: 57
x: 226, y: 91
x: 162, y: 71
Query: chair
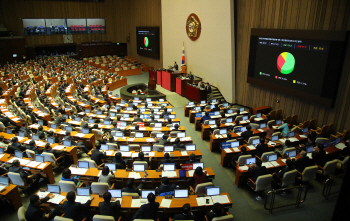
x: 141, y: 162
x: 308, y: 174
x: 16, y: 179
x: 58, y: 218
x: 254, y: 126
x: 92, y: 163
x: 312, y: 124
x: 228, y: 217
x: 134, y: 147
x: 102, y: 218
x: 264, y: 156
x: 158, y: 147
x: 250, y: 140
x: 239, y: 118
x: 278, y: 114
x: 330, y: 130
x: 294, y: 120
x: 67, y: 186
x: 129, y: 194
x: 272, y: 122
x: 21, y: 213
x: 216, y: 131
x: 200, y: 188
x: 98, y: 134
x: 99, y: 188
x: 242, y: 159
x: 323, y: 131
x: 342, y: 165
x: 287, y: 150
x: 261, y: 184
x: 273, y: 115
x: 30, y: 154
x: 78, y: 129
x: 321, y: 140
x: 276, y: 133
x: 288, y: 120
x: 288, y: 178
x: 50, y: 157
x: 174, y: 133
x: 328, y: 168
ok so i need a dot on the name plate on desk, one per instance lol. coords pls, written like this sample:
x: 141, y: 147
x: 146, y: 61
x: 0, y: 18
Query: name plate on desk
x: 226, y: 145
x: 200, y: 114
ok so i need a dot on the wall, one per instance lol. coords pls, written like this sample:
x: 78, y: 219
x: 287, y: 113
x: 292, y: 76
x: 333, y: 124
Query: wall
x: 292, y: 14
x: 122, y: 17
x: 211, y: 56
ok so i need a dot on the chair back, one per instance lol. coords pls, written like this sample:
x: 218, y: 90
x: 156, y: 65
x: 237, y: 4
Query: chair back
x: 206, y: 122
x: 157, y: 147
x: 321, y: 140
x: 144, y: 163
x: 49, y: 157
x: 102, y: 218
x: 294, y: 120
x: 200, y: 188
x: 273, y: 122
x: 309, y: 173
x: 288, y: 120
x: 134, y: 147
x: 67, y: 186
x: 277, y: 133
x: 254, y: 126
x: 278, y: 114
x: 273, y: 115
x: 324, y: 131
x: 59, y: 218
x: 132, y: 134
x: 216, y: 131
x: 239, y: 118
x: 30, y: 154
x: 129, y: 194
x: 288, y: 178
x: 330, y: 129
x: 242, y: 159
x: 223, y: 218
x: 16, y: 179
x: 263, y: 182
x: 312, y: 124
x: 154, y: 133
x: 329, y: 167
x: 98, y: 134
x: 92, y: 163
x: 21, y: 213
x: 250, y: 140
x: 345, y: 163
x: 264, y: 156
x: 99, y: 188
x: 288, y: 149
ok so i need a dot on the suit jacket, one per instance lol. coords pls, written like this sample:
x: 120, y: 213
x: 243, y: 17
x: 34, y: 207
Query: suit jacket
x: 179, y: 146
x: 261, y: 148
x: 164, y: 189
x: 208, y: 88
x: 97, y: 156
x: 137, y: 119
x: 84, y: 124
x: 247, y: 134
x: 74, y: 210
x: 301, y: 163
x: 60, y: 120
x: 147, y: 211
x: 110, y: 209
x: 34, y: 213
x: 256, y: 172
x: 283, y: 171
x: 121, y: 162
x: 56, y: 153
x: 184, y: 217
x: 211, y: 215
x: 41, y: 135
x: 107, y: 119
x: 163, y: 141
x: 319, y: 157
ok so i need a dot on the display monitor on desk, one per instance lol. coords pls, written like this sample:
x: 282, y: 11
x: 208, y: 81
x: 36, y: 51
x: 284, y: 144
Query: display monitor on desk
x: 325, y: 144
x: 138, y: 135
x: 203, y: 102
x: 111, y: 166
x: 245, y: 118
x: 68, y: 128
x: 211, y: 122
x: 4, y: 181
x: 21, y: 134
x: 229, y: 120
x: 195, y: 165
x: 104, y: 147
x: 309, y: 149
x: 225, y: 104
x: 51, y: 140
x: 169, y: 110
x: 304, y: 130
x: 129, y: 109
x: 169, y: 167
x: 243, y: 129
x: 106, y: 122
x: 87, y: 111
x: 212, y: 190
x: 158, y: 125
x: 250, y: 161
x: 168, y: 148
x: 274, y: 138
x: 2, y: 150
x: 241, y: 109
x: 122, y: 123
x: 291, y: 153
x: 255, y: 141
x: 99, y: 112
x: 39, y: 158
x: 8, y: 131
x: 223, y: 131
x: 258, y: 114
x: 83, y: 164
x: 172, y: 116
x: 272, y: 157
x: 291, y: 134
x: 115, y: 193
x: 77, y: 119
x: 85, y: 131
x: 212, y: 106
x: 124, y: 148
x: 126, y: 115
x: 144, y: 193
x: 67, y: 143
x: 83, y: 191
x: 235, y: 144
x: 197, y: 108
x: 53, y: 126
x: 113, y: 114
x: 263, y: 125
x: 217, y: 113
x: 136, y: 99
x: 138, y: 167
x: 230, y: 111
x: 156, y: 116
x: 213, y: 101
x: 278, y: 122
x: 190, y: 103
x: 148, y: 99
x: 181, y: 193
x: 53, y: 188
x: 161, y: 100
x: 181, y: 134
x: 117, y: 134
x: 35, y: 137
x: 91, y: 121
x: 146, y: 148
x: 18, y: 154
x: 159, y: 135
x: 190, y: 147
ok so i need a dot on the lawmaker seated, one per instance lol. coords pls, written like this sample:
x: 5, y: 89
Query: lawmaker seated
x: 130, y: 187
x: 165, y: 188
x: 149, y: 210
x: 186, y: 213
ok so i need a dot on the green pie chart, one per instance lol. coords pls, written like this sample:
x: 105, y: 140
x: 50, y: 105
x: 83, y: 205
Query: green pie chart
x: 145, y: 41
x: 285, y: 63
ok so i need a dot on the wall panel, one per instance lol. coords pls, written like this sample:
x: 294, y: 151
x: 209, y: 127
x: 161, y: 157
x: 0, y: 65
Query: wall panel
x: 292, y: 14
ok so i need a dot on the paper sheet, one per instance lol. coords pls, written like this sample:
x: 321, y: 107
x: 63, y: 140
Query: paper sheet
x: 151, y: 154
x: 79, y: 135
x: 2, y: 187
x: 228, y: 150
x: 135, y: 155
x: 138, y: 202
x: 220, y: 199
x: 243, y: 168
x: 309, y: 155
x: 184, y: 153
x: 251, y: 147
x: 169, y: 174
x: 126, y: 154
x: 134, y: 175
x: 340, y: 146
x: 33, y: 164
x: 82, y: 199
x: 57, y: 199
x: 41, y: 166
x: 274, y: 163
x: 271, y: 143
x: 43, y: 194
x: 236, y: 149
x: 202, y: 201
x: 165, y: 203
x: 190, y: 173
x: 58, y: 147
x: 109, y: 153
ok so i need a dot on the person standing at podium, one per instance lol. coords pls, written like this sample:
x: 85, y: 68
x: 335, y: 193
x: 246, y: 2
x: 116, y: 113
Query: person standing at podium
x: 190, y: 76
x: 176, y: 67
x: 201, y: 85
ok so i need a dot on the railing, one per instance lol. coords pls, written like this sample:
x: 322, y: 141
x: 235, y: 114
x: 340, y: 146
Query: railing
x: 299, y: 199
x: 327, y: 188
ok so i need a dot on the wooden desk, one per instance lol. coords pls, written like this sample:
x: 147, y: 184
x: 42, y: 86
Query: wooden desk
x: 195, y: 94
x: 169, y: 79
x: 117, y: 84
x: 11, y: 193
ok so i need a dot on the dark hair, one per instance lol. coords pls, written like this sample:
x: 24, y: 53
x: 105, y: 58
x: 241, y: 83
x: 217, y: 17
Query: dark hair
x: 262, y: 140
x: 107, y: 196
x: 217, y: 208
x: 151, y: 198
x: 32, y: 143
x: 243, y: 149
x: 192, y: 156
x: 166, y: 156
x: 289, y: 163
x: 206, y: 113
x: 33, y: 199
x: 176, y: 126
x: 130, y: 183
x: 186, y: 208
x: 40, y: 128
x: 114, y: 123
x: 1, y: 138
x: 105, y: 171
x: 288, y: 143
x: 14, y: 139
x: 98, y: 146
x: 199, y: 171
x: 320, y: 146
x: 66, y: 173
x: 165, y: 136
x: 258, y: 163
x: 15, y: 162
x: 177, y: 140
x: 47, y: 146
x: 50, y: 133
x: 248, y: 127
x: 118, y: 156
x: 165, y: 181
x: 137, y: 127
x: 141, y: 155
x: 71, y: 196
x: 270, y: 125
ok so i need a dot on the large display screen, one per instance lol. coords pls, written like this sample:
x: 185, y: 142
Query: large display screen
x: 305, y: 64
x: 148, y: 41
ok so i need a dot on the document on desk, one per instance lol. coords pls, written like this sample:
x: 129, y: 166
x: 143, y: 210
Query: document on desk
x: 218, y: 136
x: 58, y: 147
x: 120, y: 200
x: 309, y: 155
x: 126, y: 154
x: 131, y: 139
x: 239, y: 133
x: 79, y: 135
x: 150, y: 140
x: 261, y: 130
x: 283, y: 140
x: 229, y: 124
x: 186, y: 139
x: 274, y: 163
x: 20, y: 138
x: 184, y: 153
x: 220, y: 199
x: 271, y: 143
x: 151, y: 154
x: 228, y: 150
x: 243, y: 168
x: 135, y: 155
x: 284, y: 160
x: 258, y: 118
x: 1, y: 155
x: 165, y: 203
x: 2, y: 187
x: 82, y: 199
x: 302, y: 136
x: 138, y: 202
x: 293, y: 139
x: 190, y: 173
x: 340, y: 146
x: 267, y: 164
x: 42, y: 165
x: 23, y: 162
x: 109, y: 153
x: 57, y: 199
x: 16, y: 119
x: 33, y: 164
x: 134, y: 175
x: 202, y: 201
x: 131, y: 128
x: 251, y: 147
x: 212, y: 126
x: 169, y: 174
x: 157, y: 128
x: 236, y: 149
x: 43, y: 194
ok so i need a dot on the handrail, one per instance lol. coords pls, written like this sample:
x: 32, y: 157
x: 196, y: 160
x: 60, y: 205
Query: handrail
x: 298, y: 201
x: 328, y: 187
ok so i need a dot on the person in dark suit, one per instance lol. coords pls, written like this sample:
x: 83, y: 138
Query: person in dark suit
x: 319, y: 155
x: 137, y: 118
x: 177, y: 145
x: 208, y: 88
x: 149, y: 210
x: 289, y: 167
x: 152, y: 120
x: 109, y: 209
x: 186, y: 213
x: 56, y: 153
x: 256, y: 170
x: 190, y: 76
x: 84, y: 124
x: 60, y: 109
x: 34, y: 213
x: 96, y: 155
x: 130, y: 187
x: 247, y: 134
x: 216, y: 108
x: 108, y: 117
x: 69, y: 138
x: 261, y: 147
x: 29, y: 178
x: 235, y: 158
x: 118, y: 160
x: 165, y: 112
x: 41, y: 134
x: 166, y: 159
x: 192, y: 159
x: 176, y: 67
x: 302, y: 162
x: 142, y: 158
x: 33, y: 147
x: 201, y: 85
x: 216, y: 211
x: 165, y: 187
x: 74, y: 210
x: 60, y: 119
x: 164, y: 140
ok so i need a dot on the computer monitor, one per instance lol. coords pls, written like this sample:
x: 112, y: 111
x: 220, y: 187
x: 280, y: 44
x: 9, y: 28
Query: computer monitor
x: 168, y: 148
x: 148, y: 99
x: 229, y: 120
x: 250, y: 161
x: 229, y: 111
x: 181, y: 134
x: 212, y: 190
x: 156, y: 116
x: 129, y: 109
x: 21, y: 134
x: 255, y: 141
x: 169, y: 110
x: 67, y: 143
x: 195, y: 165
x: 263, y: 125
x: 126, y: 115
x: 274, y: 138
x: 51, y: 140
x: 41, y: 123
x: 291, y: 153
x: 235, y: 144
x: 135, y: 103
x: 161, y: 100
x: 83, y: 164
x: 117, y: 134
x: 245, y: 118
x: 181, y: 193
x: 113, y: 114
x: 213, y: 100
x: 159, y: 135
x: 138, y: 167
x: 53, y: 188
x: 136, y: 99
x: 190, y: 103
x: 158, y: 125
x: 122, y: 123
x: 111, y: 166
x: 77, y: 119
x: 278, y: 122
x: 203, y: 102
x: 211, y: 122
x: 87, y: 111
x: 174, y: 123
x: 83, y: 191
x: 169, y: 167
x: 68, y: 128
x: 115, y: 193
x: 190, y: 147
x: 138, y: 135
x: 309, y: 149
x: 99, y: 112
x: 291, y: 134
x: 35, y: 137
x: 124, y: 148
x: 197, y: 108
x: 223, y: 131
x: 225, y: 104
x: 338, y: 140
x: 241, y: 109
x: 272, y: 157
x: 144, y: 193
x: 4, y: 181
x: 39, y: 158
x: 85, y: 131
x: 104, y: 147
x: 106, y: 122
x: 243, y: 129
x: 258, y: 114
x: 91, y: 121
x: 146, y: 148
x: 8, y: 131
x: 172, y: 116
x: 212, y: 106
x: 2, y: 150
x: 53, y: 126
x: 18, y: 154
x: 304, y: 130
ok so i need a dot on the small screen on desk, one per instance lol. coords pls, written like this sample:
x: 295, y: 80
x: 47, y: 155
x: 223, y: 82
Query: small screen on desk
x: 156, y: 116
x: 241, y: 109
x: 77, y: 119
x: 111, y: 166
x: 203, y: 102
x: 172, y: 116
x: 122, y: 123
x: 225, y: 104
x: 161, y: 100
x: 245, y: 118
x: 169, y: 149
x: 230, y: 111
x: 39, y: 158
x: 112, y: 114
x: 262, y: 125
x: 190, y: 147
x: 309, y: 149
x: 255, y: 141
x: 223, y: 131
x: 212, y: 190
x: 180, y: 135
x: 117, y: 134
x: 83, y: 191
x: 85, y: 131
x: 135, y: 104
x: 106, y: 122
x: 4, y: 180
x: 139, y: 167
x: 83, y: 164
x: 87, y: 111
x: 212, y: 106
x: 181, y: 193
x: 271, y: 157
x: 8, y: 131
x: 18, y: 154
x: 217, y: 113
x: 124, y: 148
x: 250, y: 161
x: 243, y: 129
x: 126, y: 115
x: 278, y: 122
x: 148, y: 99
x: 1, y: 150
x: 213, y: 100
x: 190, y: 103
x: 211, y: 122
x: 51, y: 140
x: 158, y: 125
x: 138, y: 135
x: 144, y: 193
x: 292, y: 153
x: 67, y: 143
x: 235, y: 144
x: 291, y: 134
x: 98, y: 112
x: 115, y: 193
x: 53, y: 126
x: 65, y: 116
x: 104, y: 147
x: 69, y: 128
x: 325, y: 144
x: 91, y: 121
x: 258, y: 114
x: 168, y: 166
x: 195, y: 165
x: 274, y: 138
x: 229, y: 120
x: 136, y: 99
x: 35, y: 137
x: 304, y: 130
x: 53, y: 188
x: 197, y: 108
x: 159, y: 135
x: 21, y: 134
x: 146, y: 148
x: 129, y: 109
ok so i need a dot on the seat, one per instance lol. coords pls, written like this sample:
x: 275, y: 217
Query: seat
x: 129, y: 194
x: 98, y: 134
x: 92, y: 163
x: 134, y: 147
x: 312, y: 124
x: 21, y: 213
x: 250, y: 140
x: 273, y: 115
x: 294, y: 120
x: 216, y: 131
x: 228, y: 217
x: 308, y: 174
x: 78, y: 129
x: 261, y: 184
x: 50, y: 157
x: 288, y: 120
x: 132, y: 134
x: 254, y: 126
x: 200, y: 188
x: 272, y: 122
x: 141, y: 162
x: 30, y: 154
x: 321, y: 140
x: 113, y: 144
x: 16, y: 179
x: 342, y: 165
x: 276, y: 133
x: 278, y: 114
x: 99, y: 188
x: 288, y: 178
x: 242, y: 159
x: 67, y: 186
x: 102, y: 218
x: 239, y: 118
x: 328, y: 168
x: 158, y: 147
x: 58, y: 218
x: 264, y: 156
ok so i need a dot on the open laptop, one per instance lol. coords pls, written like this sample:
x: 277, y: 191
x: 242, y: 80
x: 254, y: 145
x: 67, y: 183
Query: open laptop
x: 115, y: 193
x: 169, y: 167
x: 291, y: 153
x: 138, y: 167
x: 258, y: 114
x: 83, y: 194
x: 35, y: 137
x: 19, y: 154
x: 111, y: 166
x: 212, y: 190
x: 159, y: 135
x: 144, y: 193
x: 53, y: 188
x: 235, y: 144
x: 190, y: 147
x: 68, y: 128
x: 83, y: 164
x: 223, y: 131
x: 278, y: 122
x: 51, y: 140
x: 168, y: 148
x: 245, y: 118
x: 67, y: 143
x: 255, y: 141
x: 117, y: 134
x: 158, y: 125
x: 4, y: 181
x: 85, y: 131
x: 212, y: 122
x: 291, y: 134
x: 250, y: 161
x: 124, y: 148
x: 274, y: 138
x: 39, y: 158
x: 138, y: 135
x: 195, y: 165
x: 181, y: 134
x: 271, y: 157
x: 309, y: 149
x: 146, y: 148
x: 263, y: 125
x: 181, y: 193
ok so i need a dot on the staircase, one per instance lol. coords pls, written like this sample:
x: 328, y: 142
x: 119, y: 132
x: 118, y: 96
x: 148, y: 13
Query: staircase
x: 216, y: 94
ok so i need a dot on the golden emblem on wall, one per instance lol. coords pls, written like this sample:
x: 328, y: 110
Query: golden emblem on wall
x: 193, y: 27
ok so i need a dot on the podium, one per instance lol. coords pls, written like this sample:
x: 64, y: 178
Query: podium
x: 169, y: 79
x: 151, y: 84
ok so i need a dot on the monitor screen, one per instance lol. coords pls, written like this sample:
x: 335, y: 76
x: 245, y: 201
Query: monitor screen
x: 156, y: 116
x: 309, y: 149
x: 292, y: 153
x: 223, y: 131
x: 241, y: 109
x: 83, y: 164
x: 122, y: 123
x: 230, y: 111
x: 18, y: 154
x: 274, y: 138
x: 111, y: 166
x: 197, y: 108
x: 53, y: 126
x: 255, y: 141
x: 138, y: 167
x: 243, y: 129
x: 212, y: 122
x: 272, y: 157
x: 53, y: 188
x: 67, y: 143
x: 136, y: 98
x: 99, y: 112
x: 225, y: 104
x: 291, y: 134
x: 124, y: 148
x: 126, y: 115
x: 91, y: 121
x: 212, y: 190
x: 159, y: 135
x: 181, y: 193
x: 148, y: 99
x: 115, y: 193
x: 129, y: 109
x: 117, y: 134
x: 190, y: 147
x: 83, y: 191
x: 278, y: 122
x: 195, y: 165
x: 51, y: 140
x: 203, y: 102
x: 104, y: 147
x: 250, y: 161
x: 39, y: 158
x: 180, y: 135
x: 158, y: 125
x: 235, y: 144
x: 305, y: 130
x: 4, y: 180
x: 8, y: 131
x: 258, y: 114
x: 262, y: 125
x: 106, y: 122
x: 77, y: 119
x: 35, y: 137
x: 144, y: 193
x: 1, y: 150
x: 87, y: 111
x: 172, y: 116
x: 146, y: 148
x: 161, y: 100
x: 245, y: 118
x: 213, y: 100
x: 85, y: 131
x: 212, y: 106
x: 112, y: 114
x: 190, y: 103
x: 41, y: 123
x: 138, y: 135
x: 68, y: 128
x: 21, y: 134
x: 229, y: 120
x: 168, y: 166
x: 325, y: 144
x: 169, y: 149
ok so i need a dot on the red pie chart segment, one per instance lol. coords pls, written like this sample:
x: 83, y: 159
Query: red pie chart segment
x: 280, y: 62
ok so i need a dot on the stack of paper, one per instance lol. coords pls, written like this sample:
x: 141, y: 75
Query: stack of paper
x: 43, y: 194
x: 212, y: 126
x: 138, y: 202
x: 261, y: 130
x: 218, y: 136
x: 58, y: 147
x: 228, y: 150
x: 185, y: 139
x: 251, y: 147
x: 236, y: 149
x: 267, y: 164
x: 41, y: 166
x: 271, y: 143
x: 165, y: 203
x: 184, y: 153
x: 33, y: 164
x: 258, y: 118
x: 23, y: 162
x: 302, y: 136
x: 283, y: 140
x: 224, y: 135
x: 109, y: 153
x: 309, y: 155
x: 134, y: 175
x: 293, y: 139
x: 78, y: 171
x: 340, y: 146
x: 243, y: 168
x: 220, y: 199
x: 202, y: 201
x: 82, y: 199
x: 151, y: 154
x: 169, y: 174
x: 135, y: 155
x: 57, y: 199
x: 274, y: 163
x: 79, y: 135
x: 190, y: 173
x: 229, y: 124
x: 131, y: 139
x: 2, y: 187
x: 126, y: 154
x: 157, y: 128
x: 244, y: 121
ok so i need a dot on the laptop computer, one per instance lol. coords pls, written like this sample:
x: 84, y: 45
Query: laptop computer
x: 169, y: 167
x: 4, y: 181
x: 212, y: 190
x: 195, y: 165
x: 250, y: 161
x: 124, y: 148
x: 146, y: 148
x: 115, y: 193
x: 53, y: 188
x: 111, y: 166
x: 83, y: 164
x: 291, y: 153
x: 272, y: 157
x: 223, y: 131
x: 67, y: 143
x: 181, y: 193
x: 168, y: 148
x: 19, y: 154
x: 138, y: 135
x: 190, y: 147
x: 39, y: 158
x: 235, y: 144
x: 144, y: 193
x: 139, y: 167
